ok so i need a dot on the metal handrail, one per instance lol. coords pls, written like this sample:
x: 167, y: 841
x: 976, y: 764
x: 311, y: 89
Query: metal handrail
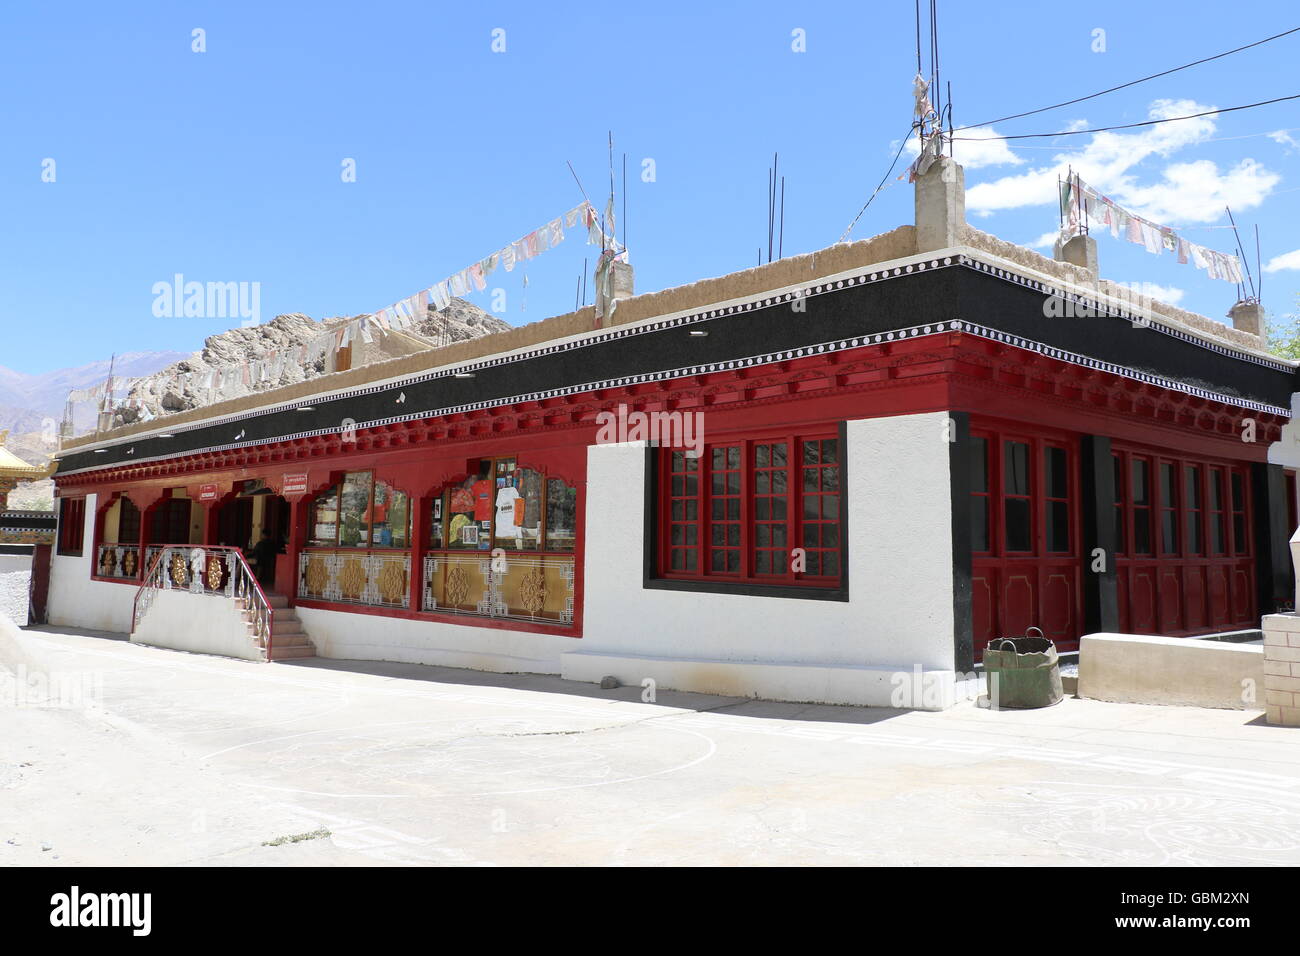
x: 241, y: 584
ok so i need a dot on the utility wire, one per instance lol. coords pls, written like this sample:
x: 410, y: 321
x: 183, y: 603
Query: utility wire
x: 878, y: 188
x: 1124, y: 86
x: 1106, y: 129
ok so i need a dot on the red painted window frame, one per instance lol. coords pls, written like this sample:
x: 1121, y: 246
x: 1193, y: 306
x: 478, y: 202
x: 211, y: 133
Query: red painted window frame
x: 1198, y: 511
x: 747, y: 574
x: 72, y: 526
x: 995, y: 496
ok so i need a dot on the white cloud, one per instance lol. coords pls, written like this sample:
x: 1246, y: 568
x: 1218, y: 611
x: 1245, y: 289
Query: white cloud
x: 1046, y: 240
x: 980, y: 151
x: 1188, y: 192
x: 1284, y: 138
x: 1161, y: 293
x: 1198, y: 191
x: 1288, y: 260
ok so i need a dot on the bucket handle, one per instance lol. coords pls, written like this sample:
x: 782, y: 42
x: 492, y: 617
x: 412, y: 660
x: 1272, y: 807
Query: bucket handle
x: 1004, y: 641
x: 1038, y: 629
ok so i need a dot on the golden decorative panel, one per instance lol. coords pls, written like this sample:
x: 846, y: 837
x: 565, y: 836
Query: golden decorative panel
x: 532, y: 591
x: 317, y: 575
x: 457, y: 587
x: 392, y: 583
x: 352, y: 579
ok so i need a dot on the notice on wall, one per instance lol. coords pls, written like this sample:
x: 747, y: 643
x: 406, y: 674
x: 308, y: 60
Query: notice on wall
x: 295, y: 484
x: 207, y: 492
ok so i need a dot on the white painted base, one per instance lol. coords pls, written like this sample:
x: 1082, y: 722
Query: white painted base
x: 202, y: 623
x: 369, y: 637
x: 875, y: 686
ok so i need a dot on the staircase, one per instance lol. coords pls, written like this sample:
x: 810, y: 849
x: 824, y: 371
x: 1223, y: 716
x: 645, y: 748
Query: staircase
x: 288, y: 639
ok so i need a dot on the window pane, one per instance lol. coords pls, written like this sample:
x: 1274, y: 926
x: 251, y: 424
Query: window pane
x: 1057, y: 479
x: 1058, y: 526
x: 1192, y: 485
x: 1015, y: 478
x: 1167, y: 485
x: 527, y: 508
x: 324, y: 519
x: 979, y: 524
x: 354, y: 528
x: 1142, y: 531
x: 979, y: 464
x: 1169, y: 531
x: 1017, y: 524
x: 561, y: 515
x: 1141, y: 491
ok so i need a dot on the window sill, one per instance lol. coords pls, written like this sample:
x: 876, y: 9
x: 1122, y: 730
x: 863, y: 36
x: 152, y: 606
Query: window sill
x: 749, y: 589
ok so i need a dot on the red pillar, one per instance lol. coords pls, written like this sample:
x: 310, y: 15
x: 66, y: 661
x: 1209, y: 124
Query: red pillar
x: 420, y: 520
x: 286, y: 565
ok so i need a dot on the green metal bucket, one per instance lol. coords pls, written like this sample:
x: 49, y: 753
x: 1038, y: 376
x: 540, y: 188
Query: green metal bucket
x: 1023, y: 672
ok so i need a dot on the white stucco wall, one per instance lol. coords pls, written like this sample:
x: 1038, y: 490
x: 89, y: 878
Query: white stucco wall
x: 899, y: 614
x: 77, y: 601
x: 15, y: 582
x: 371, y: 637
x: 1286, y: 452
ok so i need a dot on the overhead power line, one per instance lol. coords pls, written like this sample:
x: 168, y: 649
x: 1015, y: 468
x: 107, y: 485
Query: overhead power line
x: 1124, y: 86
x: 884, y: 180
x: 1106, y: 129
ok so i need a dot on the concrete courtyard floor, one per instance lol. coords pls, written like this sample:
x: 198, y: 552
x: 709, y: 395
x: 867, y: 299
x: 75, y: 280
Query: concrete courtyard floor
x: 194, y: 760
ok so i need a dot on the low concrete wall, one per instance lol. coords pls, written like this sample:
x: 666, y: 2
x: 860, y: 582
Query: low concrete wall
x: 203, y: 623
x: 15, y: 580
x: 1141, y: 669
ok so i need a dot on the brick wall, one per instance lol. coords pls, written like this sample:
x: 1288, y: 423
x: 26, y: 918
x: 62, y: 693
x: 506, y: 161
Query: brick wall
x: 1282, y: 669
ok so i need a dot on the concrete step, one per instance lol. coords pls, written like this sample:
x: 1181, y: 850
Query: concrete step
x: 286, y: 627
x: 283, y: 613
x: 292, y: 652
x: 277, y: 600
x: 289, y: 640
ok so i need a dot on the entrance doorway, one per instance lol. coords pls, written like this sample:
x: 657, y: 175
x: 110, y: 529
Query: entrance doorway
x: 243, y: 517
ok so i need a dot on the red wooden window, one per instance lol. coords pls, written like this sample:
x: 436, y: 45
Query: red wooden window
x: 772, y: 506
x: 1140, y: 495
x: 170, y: 522
x: 1024, y: 534
x: 737, y: 512
x: 724, y: 509
x: 1188, y: 568
x: 1168, y: 508
x: 128, y: 522
x: 821, y: 505
x: 72, y: 525
x: 1193, y: 506
x: 683, y: 512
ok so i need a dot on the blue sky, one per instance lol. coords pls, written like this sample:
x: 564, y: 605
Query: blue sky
x: 225, y: 165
